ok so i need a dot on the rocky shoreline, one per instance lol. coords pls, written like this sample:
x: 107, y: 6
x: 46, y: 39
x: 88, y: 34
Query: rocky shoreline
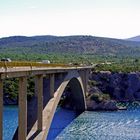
x: 107, y: 88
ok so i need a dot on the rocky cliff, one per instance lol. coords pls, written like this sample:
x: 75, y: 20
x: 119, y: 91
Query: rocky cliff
x: 105, y: 88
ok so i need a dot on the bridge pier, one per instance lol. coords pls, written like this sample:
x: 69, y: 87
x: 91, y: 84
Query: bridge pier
x: 39, y: 93
x: 86, y: 77
x: 84, y: 74
x: 52, y: 78
x: 22, y: 130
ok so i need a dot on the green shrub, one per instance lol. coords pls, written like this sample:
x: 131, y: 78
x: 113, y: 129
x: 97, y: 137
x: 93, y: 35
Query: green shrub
x: 98, y: 97
x: 92, y: 83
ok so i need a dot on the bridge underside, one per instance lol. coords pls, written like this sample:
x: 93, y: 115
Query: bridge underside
x: 73, y: 96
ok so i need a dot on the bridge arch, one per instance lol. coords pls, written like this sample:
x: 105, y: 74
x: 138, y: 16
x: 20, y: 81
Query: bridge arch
x: 74, y: 95
x: 72, y: 79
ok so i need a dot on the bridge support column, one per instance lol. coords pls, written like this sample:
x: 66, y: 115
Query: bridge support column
x: 84, y: 74
x: 86, y: 81
x: 61, y: 76
x: 1, y: 109
x: 51, y: 85
x: 22, y: 131
x: 39, y: 93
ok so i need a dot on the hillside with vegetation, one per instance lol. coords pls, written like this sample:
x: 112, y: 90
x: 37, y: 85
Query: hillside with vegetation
x: 108, y: 54
x: 83, y: 45
x: 123, y: 55
x: 135, y: 38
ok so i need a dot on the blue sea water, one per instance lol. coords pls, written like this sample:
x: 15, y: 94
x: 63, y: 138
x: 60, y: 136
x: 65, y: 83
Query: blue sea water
x: 10, y: 121
x: 117, y: 125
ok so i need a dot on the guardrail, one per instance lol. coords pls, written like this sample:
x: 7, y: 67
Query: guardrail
x: 29, y: 64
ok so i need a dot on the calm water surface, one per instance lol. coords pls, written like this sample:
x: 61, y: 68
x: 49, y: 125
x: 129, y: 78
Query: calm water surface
x: 118, y: 125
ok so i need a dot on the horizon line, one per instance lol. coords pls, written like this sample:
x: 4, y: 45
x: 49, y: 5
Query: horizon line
x: 19, y: 35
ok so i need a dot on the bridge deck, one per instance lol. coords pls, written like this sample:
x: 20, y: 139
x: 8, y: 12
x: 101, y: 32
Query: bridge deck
x: 20, y: 69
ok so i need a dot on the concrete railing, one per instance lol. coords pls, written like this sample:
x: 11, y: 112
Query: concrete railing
x: 30, y: 64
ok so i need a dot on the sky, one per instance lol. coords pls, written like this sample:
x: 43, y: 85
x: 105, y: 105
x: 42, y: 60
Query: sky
x: 105, y: 18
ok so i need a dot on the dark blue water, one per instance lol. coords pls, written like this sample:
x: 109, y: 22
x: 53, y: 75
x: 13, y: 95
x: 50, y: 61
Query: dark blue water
x: 61, y: 119
x: 118, y: 125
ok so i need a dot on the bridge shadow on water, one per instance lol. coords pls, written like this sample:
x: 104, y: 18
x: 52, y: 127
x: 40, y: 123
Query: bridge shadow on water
x: 69, y: 107
x: 62, y: 118
x: 66, y: 111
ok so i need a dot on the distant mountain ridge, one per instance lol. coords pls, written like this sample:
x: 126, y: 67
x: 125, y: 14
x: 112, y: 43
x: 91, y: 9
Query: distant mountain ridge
x: 69, y: 44
x: 136, y: 38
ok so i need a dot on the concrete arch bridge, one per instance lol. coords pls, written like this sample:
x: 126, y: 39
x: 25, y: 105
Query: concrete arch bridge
x: 35, y: 117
